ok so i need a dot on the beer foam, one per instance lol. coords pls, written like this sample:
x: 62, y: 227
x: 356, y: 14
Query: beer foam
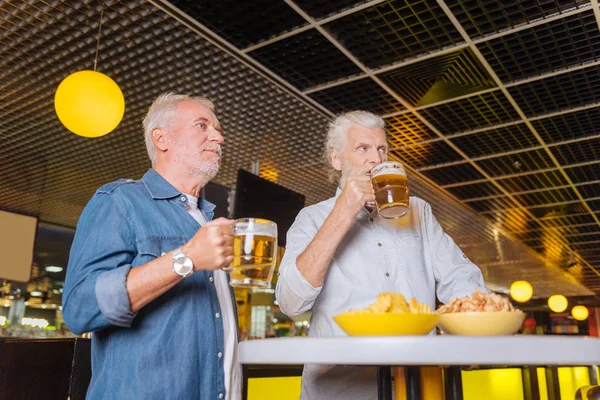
x: 393, y: 169
x: 242, y: 232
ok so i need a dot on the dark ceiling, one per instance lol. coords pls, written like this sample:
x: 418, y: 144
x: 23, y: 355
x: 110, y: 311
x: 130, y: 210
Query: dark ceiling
x: 494, y: 103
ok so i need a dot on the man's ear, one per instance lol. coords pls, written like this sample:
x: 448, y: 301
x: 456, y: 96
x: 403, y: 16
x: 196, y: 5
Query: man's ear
x: 336, y: 161
x: 159, y: 138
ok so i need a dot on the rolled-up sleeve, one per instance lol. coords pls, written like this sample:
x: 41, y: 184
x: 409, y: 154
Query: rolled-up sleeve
x: 455, y: 274
x: 95, y: 293
x: 294, y: 293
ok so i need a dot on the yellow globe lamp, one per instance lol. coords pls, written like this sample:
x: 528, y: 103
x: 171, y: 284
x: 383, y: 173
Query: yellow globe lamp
x: 89, y: 103
x: 580, y: 313
x: 521, y: 291
x: 558, y: 303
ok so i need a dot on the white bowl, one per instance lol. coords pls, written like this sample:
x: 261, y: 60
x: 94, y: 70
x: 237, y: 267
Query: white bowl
x: 482, y: 323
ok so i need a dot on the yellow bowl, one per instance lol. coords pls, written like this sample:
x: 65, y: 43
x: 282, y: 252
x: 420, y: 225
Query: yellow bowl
x: 482, y: 323
x: 386, y: 324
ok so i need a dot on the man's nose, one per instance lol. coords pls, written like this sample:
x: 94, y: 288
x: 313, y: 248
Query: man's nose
x: 216, y: 136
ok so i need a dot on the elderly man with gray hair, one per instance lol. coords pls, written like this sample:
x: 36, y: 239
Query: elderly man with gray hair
x: 341, y: 254
x: 144, y: 273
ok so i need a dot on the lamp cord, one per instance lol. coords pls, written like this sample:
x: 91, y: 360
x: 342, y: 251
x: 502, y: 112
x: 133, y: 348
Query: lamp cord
x: 99, y: 32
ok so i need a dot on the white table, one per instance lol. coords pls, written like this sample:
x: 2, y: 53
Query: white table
x: 444, y: 350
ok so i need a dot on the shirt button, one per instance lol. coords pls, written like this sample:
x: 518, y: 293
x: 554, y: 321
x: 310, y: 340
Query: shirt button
x: 218, y: 315
x: 210, y: 278
x: 220, y: 395
x: 387, y: 274
x: 379, y: 244
x: 182, y: 198
x: 220, y: 354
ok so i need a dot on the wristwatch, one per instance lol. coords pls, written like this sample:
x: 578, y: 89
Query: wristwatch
x: 182, y: 264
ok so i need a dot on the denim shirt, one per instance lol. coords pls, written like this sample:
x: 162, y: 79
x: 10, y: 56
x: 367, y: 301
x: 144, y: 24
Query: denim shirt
x: 169, y: 349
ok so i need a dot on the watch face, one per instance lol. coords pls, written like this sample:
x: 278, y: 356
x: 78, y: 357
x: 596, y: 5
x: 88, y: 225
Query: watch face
x: 183, y: 266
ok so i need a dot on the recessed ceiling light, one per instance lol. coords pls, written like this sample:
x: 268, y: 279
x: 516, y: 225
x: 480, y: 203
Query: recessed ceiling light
x: 36, y: 293
x: 54, y: 268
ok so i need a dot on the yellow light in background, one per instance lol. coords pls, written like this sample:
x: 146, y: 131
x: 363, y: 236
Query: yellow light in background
x: 269, y: 172
x: 89, y: 103
x: 521, y: 291
x: 558, y: 303
x: 580, y: 313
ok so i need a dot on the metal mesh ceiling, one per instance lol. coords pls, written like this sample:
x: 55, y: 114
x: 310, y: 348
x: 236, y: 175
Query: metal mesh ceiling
x: 494, y: 106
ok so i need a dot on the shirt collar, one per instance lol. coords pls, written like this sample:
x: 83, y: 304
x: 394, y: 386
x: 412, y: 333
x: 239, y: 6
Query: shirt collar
x: 160, y: 188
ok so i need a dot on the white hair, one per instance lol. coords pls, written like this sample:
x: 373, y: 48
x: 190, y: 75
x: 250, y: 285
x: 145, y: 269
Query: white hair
x: 160, y: 115
x: 337, y: 135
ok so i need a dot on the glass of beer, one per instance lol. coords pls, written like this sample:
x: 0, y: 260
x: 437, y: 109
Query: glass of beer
x: 254, y: 253
x: 391, y: 189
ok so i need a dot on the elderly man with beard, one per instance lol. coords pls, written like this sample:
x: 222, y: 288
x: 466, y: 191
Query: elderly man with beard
x: 341, y: 254
x: 144, y: 272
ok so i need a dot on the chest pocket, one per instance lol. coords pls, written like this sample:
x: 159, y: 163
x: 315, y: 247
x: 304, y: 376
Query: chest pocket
x: 151, y: 247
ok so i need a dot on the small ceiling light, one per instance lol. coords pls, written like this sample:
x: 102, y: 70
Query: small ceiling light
x: 521, y: 291
x: 36, y: 293
x: 54, y: 268
x: 558, y: 303
x: 580, y: 313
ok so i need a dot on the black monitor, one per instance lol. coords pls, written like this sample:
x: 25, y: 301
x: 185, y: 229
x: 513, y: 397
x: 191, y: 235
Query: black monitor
x: 256, y: 197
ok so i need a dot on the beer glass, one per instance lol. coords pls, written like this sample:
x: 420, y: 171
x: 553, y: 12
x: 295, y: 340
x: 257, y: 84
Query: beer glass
x: 254, y: 253
x: 391, y: 189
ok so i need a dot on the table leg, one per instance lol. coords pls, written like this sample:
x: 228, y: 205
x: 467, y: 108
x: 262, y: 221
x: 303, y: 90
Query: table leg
x: 593, y: 374
x: 552, y: 383
x: 453, y: 383
x: 413, y: 383
x: 531, y: 388
x: 384, y: 383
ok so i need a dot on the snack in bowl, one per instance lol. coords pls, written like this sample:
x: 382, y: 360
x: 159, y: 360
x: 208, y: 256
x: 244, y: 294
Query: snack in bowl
x: 480, y: 314
x: 389, y: 315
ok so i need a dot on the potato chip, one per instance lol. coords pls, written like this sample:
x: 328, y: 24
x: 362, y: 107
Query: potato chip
x: 394, y: 303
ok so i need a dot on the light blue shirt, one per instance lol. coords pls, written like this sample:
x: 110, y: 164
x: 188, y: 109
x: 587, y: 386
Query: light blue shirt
x: 411, y: 255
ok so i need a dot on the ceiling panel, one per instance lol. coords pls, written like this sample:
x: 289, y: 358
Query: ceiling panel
x: 405, y: 129
x: 578, y: 152
x: 589, y: 191
x: 243, y: 23
x: 363, y: 94
x: 483, y: 17
x: 299, y: 60
x: 395, y: 30
x: 585, y: 173
x: 421, y: 155
x: 546, y: 197
x: 323, y: 8
x: 453, y: 174
x: 440, y: 78
x: 471, y: 113
x: 475, y: 190
x: 516, y: 163
x: 569, y: 126
x: 559, y: 44
x: 536, y: 181
x: 564, y: 91
x: 493, y: 141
